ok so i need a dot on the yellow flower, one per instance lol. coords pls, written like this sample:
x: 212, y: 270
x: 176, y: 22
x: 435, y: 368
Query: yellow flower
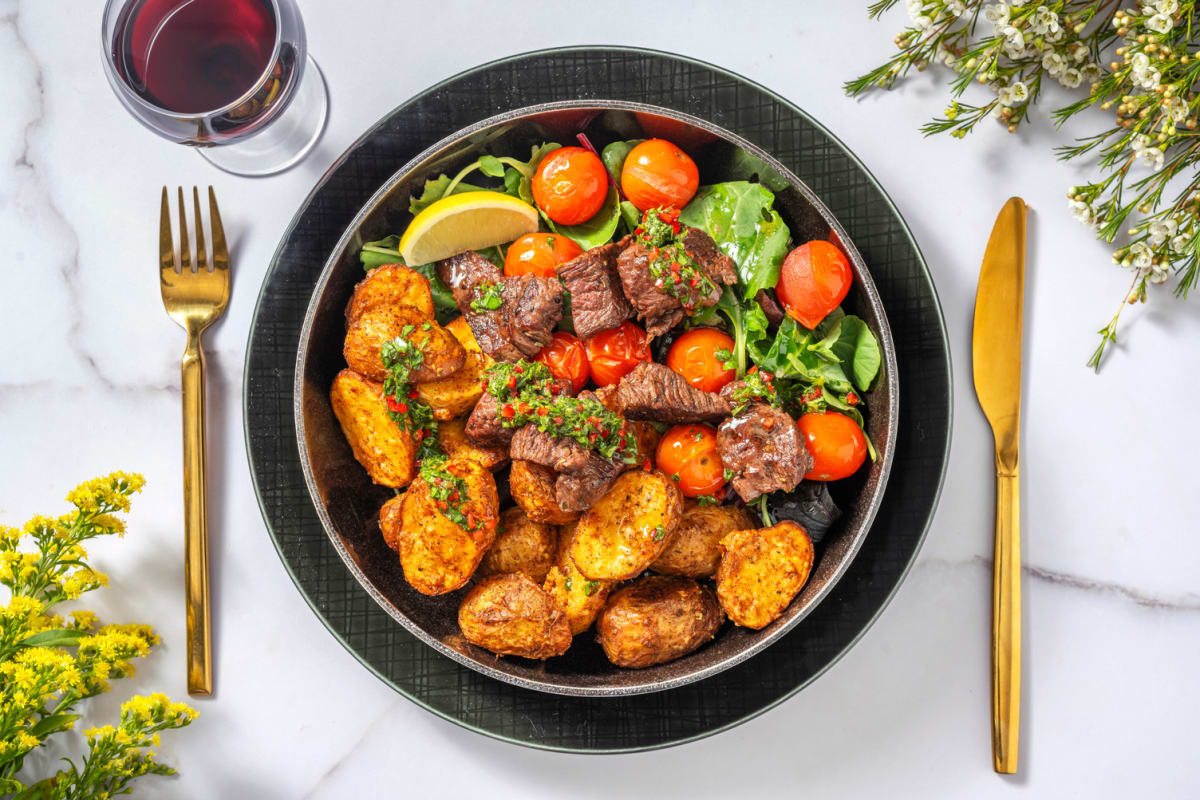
x: 21, y: 609
x: 110, y: 493
x: 109, y: 524
x: 83, y: 620
x: 26, y: 741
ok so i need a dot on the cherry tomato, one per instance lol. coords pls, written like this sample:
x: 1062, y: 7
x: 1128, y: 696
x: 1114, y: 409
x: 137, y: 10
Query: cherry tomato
x: 539, y: 254
x: 694, y: 356
x: 837, y: 445
x: 813, y: 280
x: 570, y: 185
x: 690, y: 452
x: 566, y: 358
x: 658, y: 174
x: 616, y: 351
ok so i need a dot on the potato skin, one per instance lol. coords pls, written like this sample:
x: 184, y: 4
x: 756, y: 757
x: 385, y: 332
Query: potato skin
x: 387, y: 453
x: 457, y: 394
x: 581, y: 598
x: 511, y: 615
x: 657, y: 618
x: 695, y: 549
x: 521, y: 545
x: 627, y: 528
x: 436, y: 554
x: 532, y: 487
x: 391, y: 284
x: 453, y: 440
x: 761, y: 571
x: 382, y: 322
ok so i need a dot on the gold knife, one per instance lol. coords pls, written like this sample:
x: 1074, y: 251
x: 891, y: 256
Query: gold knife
x: 996, y: 357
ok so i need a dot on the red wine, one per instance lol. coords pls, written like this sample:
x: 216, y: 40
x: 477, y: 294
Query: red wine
x: 194, y: 56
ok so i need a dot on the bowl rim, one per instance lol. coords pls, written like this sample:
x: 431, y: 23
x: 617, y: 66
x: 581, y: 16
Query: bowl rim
x: 862, y: 278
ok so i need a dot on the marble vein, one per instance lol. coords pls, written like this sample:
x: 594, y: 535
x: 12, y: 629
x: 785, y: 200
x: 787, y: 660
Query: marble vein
x: 352, y: 749
x: 1182, y: 602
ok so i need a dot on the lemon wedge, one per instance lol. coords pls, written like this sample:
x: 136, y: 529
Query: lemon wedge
x: 467, y: 221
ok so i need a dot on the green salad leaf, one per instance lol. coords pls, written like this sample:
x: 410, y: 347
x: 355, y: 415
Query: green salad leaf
x: 856, y: 349
x: 596, y: 231
x: 630, y: 215
x: 516, y: 174
x: 739, y: 216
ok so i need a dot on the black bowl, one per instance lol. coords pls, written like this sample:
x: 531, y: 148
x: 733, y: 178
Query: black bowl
x: 348, y: 503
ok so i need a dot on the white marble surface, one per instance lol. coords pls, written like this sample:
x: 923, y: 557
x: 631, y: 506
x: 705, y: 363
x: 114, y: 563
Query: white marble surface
x: 89, y: 382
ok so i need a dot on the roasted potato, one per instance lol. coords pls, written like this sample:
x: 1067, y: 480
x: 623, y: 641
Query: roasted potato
x: 627, y: 528
x: 695, y: 549
x: 521, y: 545
x: 580, y: 597
x: 381, y: 322
x: 388, y: 454
x: 454, y: 443
x: 761, y: 571
x: 532, y: 487
x: 436, y: 553
x: 457, y: 394
x: 512, y: 616
x: 657, y: 618
x: 391, y: 284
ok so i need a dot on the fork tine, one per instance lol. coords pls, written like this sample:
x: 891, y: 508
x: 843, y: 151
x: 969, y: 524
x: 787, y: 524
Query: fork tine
x: 201, y: 255
x: 220, y: 251
x: 166, y: 247
x: 185, y: 254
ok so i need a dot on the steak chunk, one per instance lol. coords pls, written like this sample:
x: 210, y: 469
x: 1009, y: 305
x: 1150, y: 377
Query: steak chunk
x: 658, y: 309
x: 579, y: 489
x: 556, y: 452
x: 597, y: 302
x: 763, y: 448
x: 657, y: 393
x: 525, y: 320
x: 532, y: 307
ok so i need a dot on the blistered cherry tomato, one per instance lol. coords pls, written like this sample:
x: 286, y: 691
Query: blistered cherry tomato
x: 694, y: 356
x: 688, y: 453
x: 837, y: 445
x: 566, y: 358
x: 813, y: 280
x: 570, y: 184
x: 658, y: 174
x: 539, y: 254
x: 616, y: 351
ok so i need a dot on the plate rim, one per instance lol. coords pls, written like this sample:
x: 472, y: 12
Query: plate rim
x: 909, y: 237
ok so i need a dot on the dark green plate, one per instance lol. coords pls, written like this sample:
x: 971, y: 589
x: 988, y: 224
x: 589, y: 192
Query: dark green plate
x: 643, y: 721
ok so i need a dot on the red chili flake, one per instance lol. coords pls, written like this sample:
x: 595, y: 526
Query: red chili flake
x: 694, y: 282
x: 490, y: 524
x: 542, y: 411
x: 470, y: 520
x: 646, y: 465
x: 402, y: 408
x: 523, y: 407
x: 412, y: 393
x: 441, y: 504
x: 454, y: 496
x: 768, y: 423
x: 654, y: 254
x: 555, y: 388
x: 592, y: 437
x: 507, y: 411
x: 419, y: 436
x: 518, y: 369
x: 558, y: 420
x: 512, y: 382
x: 675, y: 267
x: 483, y: 383
x: 852, y: 399
x: 393, y: 404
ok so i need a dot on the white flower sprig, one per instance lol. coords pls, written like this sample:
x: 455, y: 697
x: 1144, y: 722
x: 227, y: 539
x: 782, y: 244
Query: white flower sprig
x: 1153, y: 79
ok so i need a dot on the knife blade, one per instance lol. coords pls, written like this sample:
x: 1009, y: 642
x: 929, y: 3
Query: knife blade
x: 996, y: 362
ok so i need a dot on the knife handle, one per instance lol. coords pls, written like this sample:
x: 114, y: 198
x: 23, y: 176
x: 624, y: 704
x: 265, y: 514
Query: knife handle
x: 1006, y: 624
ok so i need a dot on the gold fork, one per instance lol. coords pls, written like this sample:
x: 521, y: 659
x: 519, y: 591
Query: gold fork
x: 194, y: 299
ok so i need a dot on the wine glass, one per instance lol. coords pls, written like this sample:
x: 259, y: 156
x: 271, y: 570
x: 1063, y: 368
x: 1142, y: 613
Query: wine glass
x: 232, y: 78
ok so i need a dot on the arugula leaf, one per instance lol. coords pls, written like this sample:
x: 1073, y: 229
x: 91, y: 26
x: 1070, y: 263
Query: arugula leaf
x: 739, y: 216
x: 858, y: 350
x: 596, y: 231
x: 614, y: 155
x: 378, y: 253
x: 435, y: 189
x: 630, y: 215
x: 491, y: 166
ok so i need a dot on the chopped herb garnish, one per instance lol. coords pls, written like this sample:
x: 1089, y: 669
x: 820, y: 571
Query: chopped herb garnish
x: 673, y: 268
x: 659, y: 533
x: 708, y: 499
x: 488, y: 297
x: 449, y: 492
x: 401, y: 358
x: 590, y: 588
x: 757, y: 385
x: 567, y: 583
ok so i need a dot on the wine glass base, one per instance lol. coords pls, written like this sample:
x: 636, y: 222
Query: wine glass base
x: 285, y: 141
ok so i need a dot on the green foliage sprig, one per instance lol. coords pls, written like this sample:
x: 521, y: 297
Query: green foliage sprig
x: 1146, y: 200
x: 49, y: 664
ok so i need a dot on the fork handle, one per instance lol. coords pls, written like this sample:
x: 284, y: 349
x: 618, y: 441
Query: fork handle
x: 195, y: 520
x: 1006, y: 623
